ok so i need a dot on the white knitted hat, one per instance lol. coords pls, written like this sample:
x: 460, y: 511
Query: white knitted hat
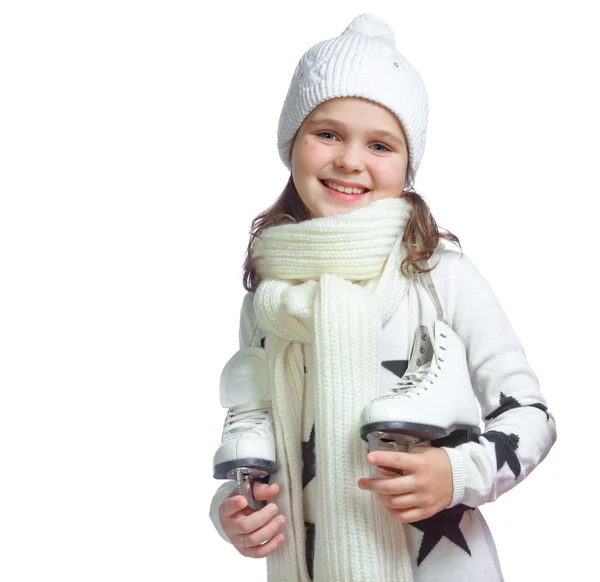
x: 361, y: 62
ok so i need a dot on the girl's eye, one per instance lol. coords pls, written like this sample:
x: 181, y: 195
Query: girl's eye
x: 324, y: 133
x: 385, y: 147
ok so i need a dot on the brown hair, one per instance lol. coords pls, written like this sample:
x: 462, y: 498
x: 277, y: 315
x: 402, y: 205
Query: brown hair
x: 421, y: 235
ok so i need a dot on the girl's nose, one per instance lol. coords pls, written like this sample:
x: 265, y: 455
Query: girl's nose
x: 350, y: 159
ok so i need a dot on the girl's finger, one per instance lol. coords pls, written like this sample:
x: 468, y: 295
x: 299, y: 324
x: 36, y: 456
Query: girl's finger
x: 410, y: 515
x: 386, y: 473
x: 261, y: 551
x: 408, y: 501
x: 388, y: 486
x: 405, y: 462
x: 262, y: 491
x: 231, y: 505
x: 246, y: 524
x: 265, y: 533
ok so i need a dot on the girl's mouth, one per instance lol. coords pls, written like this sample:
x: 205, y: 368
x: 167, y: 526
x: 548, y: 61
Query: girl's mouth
x: 342, y: 195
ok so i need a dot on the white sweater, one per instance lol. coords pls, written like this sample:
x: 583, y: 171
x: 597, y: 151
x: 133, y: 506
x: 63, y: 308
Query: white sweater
x: 517, y: 429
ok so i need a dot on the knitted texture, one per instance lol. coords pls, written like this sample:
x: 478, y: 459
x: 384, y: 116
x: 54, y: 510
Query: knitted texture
x: 320, y: 286
x: 361, y: 62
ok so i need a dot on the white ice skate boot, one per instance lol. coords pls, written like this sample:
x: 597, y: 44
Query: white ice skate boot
x: 247, y: 449
x: 433, y: 400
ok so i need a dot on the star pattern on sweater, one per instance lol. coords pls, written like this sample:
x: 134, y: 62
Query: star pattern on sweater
x: 505, y: 445
x: 509, y: 402
x: 396, y: 367
x: 310, y: 547
x: 443, y: 524
x: 309, y: 459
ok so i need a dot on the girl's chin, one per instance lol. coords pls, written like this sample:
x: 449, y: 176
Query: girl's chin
x: 334, y: 209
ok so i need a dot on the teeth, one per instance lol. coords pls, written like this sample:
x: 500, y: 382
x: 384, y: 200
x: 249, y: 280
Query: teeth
x: 335, y: 186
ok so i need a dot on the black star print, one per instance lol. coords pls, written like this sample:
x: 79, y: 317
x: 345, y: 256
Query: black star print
x: 396, y: 367
x: 506, y: 445
x: 508, y: 403
x: 309, y: 461
x: 442, y: 524
x: 310, y: 547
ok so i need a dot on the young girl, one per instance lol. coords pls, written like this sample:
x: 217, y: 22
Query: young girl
x: 347, y: 275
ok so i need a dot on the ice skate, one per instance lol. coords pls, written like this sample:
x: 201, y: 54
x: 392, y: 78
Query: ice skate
x: 247, y: 449
x: 433, y: 400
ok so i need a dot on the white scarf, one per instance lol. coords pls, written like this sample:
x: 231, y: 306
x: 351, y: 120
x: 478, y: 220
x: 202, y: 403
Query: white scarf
x: 332, y: 282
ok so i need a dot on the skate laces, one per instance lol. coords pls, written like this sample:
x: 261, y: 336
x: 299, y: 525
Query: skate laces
x: 246, y: 417
x: 413, y: 381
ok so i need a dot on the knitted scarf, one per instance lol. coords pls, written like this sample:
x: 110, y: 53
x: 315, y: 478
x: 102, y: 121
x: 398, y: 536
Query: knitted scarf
x: 332, y: 282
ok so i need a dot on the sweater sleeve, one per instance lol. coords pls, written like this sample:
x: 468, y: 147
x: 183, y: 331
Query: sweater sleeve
x: 519, y: 429
x: 249, y: 335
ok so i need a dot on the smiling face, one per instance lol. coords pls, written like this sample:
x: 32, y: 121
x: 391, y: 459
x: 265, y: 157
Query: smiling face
x: 348, y: 142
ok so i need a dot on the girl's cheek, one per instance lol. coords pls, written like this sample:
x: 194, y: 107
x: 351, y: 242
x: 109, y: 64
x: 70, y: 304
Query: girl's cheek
x: 378, y: 168
x: 313, y: 153
x: 384, y: 173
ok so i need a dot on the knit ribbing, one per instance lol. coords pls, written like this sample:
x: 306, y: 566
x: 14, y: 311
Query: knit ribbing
x: 303, y: 300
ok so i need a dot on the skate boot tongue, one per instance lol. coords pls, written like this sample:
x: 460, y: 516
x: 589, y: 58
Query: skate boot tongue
x: 411, y: 381
x: 421, y: 352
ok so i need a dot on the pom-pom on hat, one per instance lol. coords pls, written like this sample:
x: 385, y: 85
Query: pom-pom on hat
x: 361, y: 62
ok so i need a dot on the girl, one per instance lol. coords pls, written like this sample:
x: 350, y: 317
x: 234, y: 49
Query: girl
x: 342, y: 272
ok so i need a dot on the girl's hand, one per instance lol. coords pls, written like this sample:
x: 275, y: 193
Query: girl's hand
x: 258, y: 528
x: 424, y: 489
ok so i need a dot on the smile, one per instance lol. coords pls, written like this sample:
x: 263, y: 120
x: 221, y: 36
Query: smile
x: 343, y: 189
x: 342, y: 195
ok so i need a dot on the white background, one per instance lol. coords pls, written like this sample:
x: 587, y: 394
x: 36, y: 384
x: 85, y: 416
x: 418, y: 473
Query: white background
x: 138, y: 141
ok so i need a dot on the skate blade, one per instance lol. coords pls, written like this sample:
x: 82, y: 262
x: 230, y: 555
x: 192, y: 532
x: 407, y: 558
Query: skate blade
x: 245, y: 478
x: 389, y: 441
x: 251, y: 472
